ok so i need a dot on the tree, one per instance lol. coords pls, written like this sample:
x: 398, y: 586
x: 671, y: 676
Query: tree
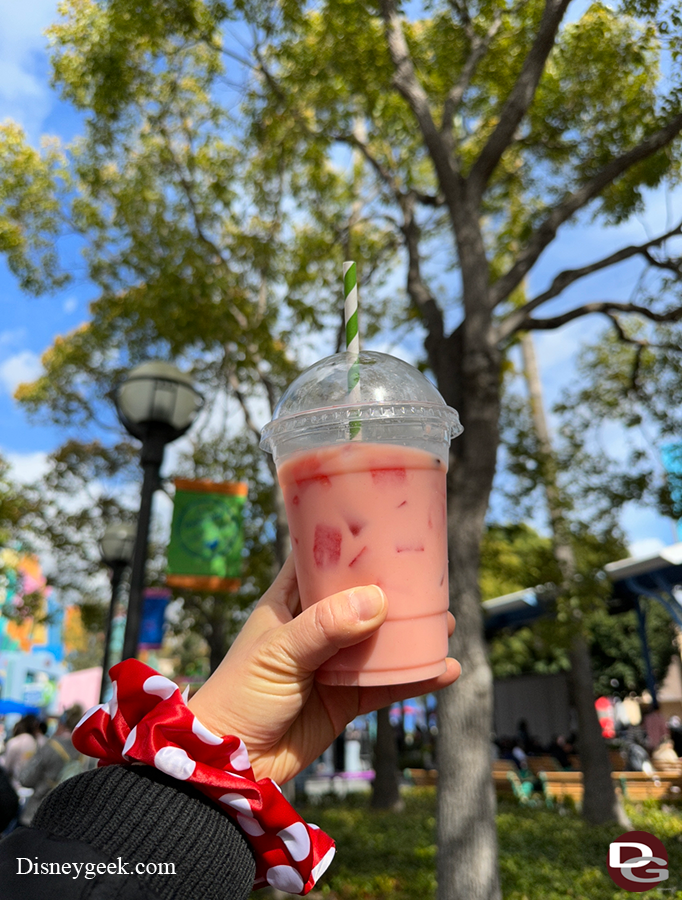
x: 496, y: 119
x: 488, y: 124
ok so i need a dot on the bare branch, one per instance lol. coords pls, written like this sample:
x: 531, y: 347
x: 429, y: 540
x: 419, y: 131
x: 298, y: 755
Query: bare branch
x: 511, y: 322
x: 602, y: 306
x: 418, y: 290
x: 384, y: 173
x: 671, y: 265
x: 462, y: 12
x: 479, y: 46
x: 248, y: 420
x: 546, y: 232
x: 429, y: 199
x: 406, y: 81
x: 517, y: 103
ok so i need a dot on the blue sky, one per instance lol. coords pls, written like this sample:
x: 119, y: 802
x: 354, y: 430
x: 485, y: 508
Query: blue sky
x: 29, y: 325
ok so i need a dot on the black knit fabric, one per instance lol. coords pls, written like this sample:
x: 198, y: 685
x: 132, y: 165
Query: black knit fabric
x: 143, y: 815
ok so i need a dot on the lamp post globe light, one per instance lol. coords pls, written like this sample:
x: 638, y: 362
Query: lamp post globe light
x: 116, y: 550
x: 156, y: 403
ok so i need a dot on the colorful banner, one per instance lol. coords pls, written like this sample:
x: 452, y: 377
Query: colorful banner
x: 205, y: 550
x: 153, y: 614
x: 20, y: 577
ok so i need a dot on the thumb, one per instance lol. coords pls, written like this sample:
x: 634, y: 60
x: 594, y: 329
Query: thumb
x: 338, y: 621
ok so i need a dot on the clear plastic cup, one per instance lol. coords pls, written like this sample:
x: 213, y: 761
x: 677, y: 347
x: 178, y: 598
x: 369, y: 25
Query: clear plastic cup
x: 365, y: 494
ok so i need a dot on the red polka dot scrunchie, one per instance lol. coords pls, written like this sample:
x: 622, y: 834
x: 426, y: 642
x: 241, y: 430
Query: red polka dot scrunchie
x: 146, y: 721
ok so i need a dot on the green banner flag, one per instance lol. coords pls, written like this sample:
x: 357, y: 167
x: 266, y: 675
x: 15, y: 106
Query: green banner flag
x: 205, y: 550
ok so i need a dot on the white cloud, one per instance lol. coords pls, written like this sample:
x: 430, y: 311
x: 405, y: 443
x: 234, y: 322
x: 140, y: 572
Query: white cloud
x: 23, y: 366
x: 70, y: 304
x: 12, y: 337
x: 27, y: 467
x: 25, y: 94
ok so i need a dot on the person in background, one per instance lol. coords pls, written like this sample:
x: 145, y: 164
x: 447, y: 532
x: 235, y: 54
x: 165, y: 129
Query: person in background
x: 20, y: 748
x: 519, y: 757
x: 664, y: 755
x: 675, y: 729
x: 559, y: 749
x: 655, y: 726
x: 41, y: 733
x: 636, y: 756
x: 9, y: 804
x: 522, y: 735
x: 45, y: 769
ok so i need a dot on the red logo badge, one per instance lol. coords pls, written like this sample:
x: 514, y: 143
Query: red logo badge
x: 637, y: 861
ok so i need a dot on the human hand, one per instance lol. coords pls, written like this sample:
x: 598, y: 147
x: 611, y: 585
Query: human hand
x: 265, y: 692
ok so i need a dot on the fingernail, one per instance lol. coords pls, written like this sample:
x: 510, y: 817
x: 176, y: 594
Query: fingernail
x: 367, y: 601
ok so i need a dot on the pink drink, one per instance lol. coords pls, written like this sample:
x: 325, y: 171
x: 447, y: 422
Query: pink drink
x: 368, y: 513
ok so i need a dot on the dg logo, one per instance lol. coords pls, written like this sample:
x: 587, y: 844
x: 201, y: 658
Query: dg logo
x: 637, y: 861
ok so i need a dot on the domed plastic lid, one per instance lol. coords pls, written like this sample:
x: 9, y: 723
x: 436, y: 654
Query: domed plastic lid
x: 317, y: 404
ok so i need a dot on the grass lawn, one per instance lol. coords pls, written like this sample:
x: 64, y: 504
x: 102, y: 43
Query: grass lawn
x: 544, y: 855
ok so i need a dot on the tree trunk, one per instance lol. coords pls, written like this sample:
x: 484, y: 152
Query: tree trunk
x: 467, y: 836
x: 385, y: 790
x: 600, y: 802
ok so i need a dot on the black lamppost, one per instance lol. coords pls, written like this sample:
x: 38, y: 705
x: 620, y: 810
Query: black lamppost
x: 156, y: 403
x: 116, y: 550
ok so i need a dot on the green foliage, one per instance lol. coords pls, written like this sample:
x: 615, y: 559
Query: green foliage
x: 381, y: 856
x: 15, y: 507
x: 627, y: 388
x: 514, y: 557
x: 543, y: 854
x: 617, y: 649
x: 33, y: 186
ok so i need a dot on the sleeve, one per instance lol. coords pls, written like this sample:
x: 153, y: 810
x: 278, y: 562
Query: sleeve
x: 165, y: 838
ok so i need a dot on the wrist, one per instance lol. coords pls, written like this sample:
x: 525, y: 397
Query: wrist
x: 148, y: 722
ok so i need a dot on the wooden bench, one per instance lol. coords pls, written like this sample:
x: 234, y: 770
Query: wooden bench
x: 424, y: 777
x: 560, y: 785
x: 500, y: 767
x: 539, y: 764
x: 638, y: 786
x: 635, y: 786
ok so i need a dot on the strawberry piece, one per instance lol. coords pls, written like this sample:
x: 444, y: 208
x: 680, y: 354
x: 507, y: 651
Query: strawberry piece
x: 296, y: 500
x: 410, y: 548
x: 393, y: 476
x: 356, y: 527
x: 404, y: 503
x: 326, y: 546
x: 305, y: 483
x: 353, y: 561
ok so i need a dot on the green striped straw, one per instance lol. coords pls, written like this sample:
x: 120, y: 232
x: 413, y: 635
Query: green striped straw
x: 350, y: 294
